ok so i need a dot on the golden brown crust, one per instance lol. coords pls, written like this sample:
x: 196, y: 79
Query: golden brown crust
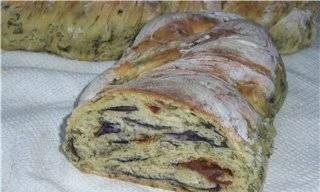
x: 182, y: 28
x: 238, y: 57
x: 128, y: 69
x: 252, y: 10
x: 145, y: 57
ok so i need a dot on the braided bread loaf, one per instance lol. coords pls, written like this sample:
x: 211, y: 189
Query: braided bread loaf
x: 188, y: 107
x: 102, y: 30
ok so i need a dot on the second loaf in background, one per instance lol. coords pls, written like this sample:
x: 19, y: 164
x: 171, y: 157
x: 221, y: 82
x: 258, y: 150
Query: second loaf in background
x: 103, y: 30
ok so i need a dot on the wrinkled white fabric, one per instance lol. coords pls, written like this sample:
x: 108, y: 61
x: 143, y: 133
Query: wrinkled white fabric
x: 39, y: 91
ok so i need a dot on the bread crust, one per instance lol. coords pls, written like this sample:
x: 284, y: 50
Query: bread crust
x: 211, y: 52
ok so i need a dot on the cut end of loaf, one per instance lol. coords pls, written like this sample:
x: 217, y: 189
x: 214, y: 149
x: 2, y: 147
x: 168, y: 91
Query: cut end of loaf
x: 137, y: 135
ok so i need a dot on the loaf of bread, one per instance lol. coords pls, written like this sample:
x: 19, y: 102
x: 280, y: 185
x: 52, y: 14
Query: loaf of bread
x: 292, y: 25
x: 102, y: 30
x: 188, y: 107
x: 81, y: 30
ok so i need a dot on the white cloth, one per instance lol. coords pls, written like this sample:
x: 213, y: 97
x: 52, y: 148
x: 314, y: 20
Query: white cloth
x: 39, y: 90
